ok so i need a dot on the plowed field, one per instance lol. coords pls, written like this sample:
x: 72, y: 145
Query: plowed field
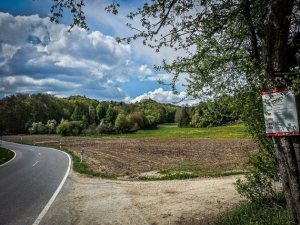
x: 131, y: 156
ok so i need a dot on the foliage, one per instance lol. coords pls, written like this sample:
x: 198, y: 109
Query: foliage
x: 19, y: 112
x: 111, y: 114
x: 122, y: 124
x: 105, y: 128
x: 137, y: 118
x: 258, y: 185
x: 72, y: 128
x: 253, y: 213
x: 51, y: 125
x: 38, y: 128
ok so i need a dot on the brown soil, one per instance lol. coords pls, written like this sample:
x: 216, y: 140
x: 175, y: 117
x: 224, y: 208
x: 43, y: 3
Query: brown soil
x: 131, y: 157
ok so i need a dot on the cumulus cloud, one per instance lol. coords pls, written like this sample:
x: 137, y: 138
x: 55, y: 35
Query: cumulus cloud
x: 36, y: 54
x: 39, y: 56
x: 163, y: 96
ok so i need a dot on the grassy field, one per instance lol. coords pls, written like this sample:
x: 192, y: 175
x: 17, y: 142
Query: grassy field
x: 5, y: 155
x: 173, y: 131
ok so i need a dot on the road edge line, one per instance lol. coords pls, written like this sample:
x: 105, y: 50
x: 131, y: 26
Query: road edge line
x: 42, y: 214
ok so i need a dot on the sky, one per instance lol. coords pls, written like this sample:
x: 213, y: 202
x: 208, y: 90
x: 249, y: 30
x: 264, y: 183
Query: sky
x: 37, y: 56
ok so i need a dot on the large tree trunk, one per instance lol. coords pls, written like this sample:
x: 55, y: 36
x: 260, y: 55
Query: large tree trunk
x: 275, y: 32
x: 288, y: 155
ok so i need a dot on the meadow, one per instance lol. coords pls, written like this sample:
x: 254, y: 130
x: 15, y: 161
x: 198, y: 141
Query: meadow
x: 173, y: 131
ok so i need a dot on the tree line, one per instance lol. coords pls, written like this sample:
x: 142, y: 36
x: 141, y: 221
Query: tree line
x: 75, y: 115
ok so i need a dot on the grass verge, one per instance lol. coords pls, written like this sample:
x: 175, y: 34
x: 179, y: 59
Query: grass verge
x: 249, y: 213
x: 5, y: 155
x: 82, y: 167
x: 184, y: 175
x: 188, y: 169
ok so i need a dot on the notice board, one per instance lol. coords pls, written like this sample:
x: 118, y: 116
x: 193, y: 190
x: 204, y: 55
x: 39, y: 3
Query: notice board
x: 280, y: 113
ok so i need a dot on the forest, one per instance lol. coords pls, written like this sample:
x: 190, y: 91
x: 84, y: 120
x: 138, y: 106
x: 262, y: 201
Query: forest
x: 78, y: 115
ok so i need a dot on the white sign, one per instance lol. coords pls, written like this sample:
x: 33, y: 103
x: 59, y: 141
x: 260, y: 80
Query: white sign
x: 280, y: 113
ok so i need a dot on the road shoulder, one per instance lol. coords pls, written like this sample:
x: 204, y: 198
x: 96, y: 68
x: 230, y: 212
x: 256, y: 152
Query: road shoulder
x: 85, y: 200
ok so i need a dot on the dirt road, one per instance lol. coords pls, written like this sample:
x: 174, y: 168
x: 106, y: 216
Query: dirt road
x: 92, y: 201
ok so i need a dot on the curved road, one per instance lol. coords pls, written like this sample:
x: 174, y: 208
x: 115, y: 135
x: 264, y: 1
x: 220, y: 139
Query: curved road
x: 29, y: 181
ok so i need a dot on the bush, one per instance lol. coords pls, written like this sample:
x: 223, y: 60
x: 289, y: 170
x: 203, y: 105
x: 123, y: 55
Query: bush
x: 38, y: 128
x: 105, y: 128
x: 91, y: 130
x: 72, y: 128
x: 136, y: 118
x: 152, y: 122
x: 122, y: 124
x: 252, y: 213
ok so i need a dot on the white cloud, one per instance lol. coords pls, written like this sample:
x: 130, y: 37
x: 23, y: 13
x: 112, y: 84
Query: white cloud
x: 162, y: 76
x: 160, y: 95
x: 41, y: 54
x: 145, y: 70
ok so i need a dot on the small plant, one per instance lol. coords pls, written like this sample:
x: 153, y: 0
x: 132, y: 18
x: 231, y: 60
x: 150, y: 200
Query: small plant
x: 164, y: 171
x: 171, y: 176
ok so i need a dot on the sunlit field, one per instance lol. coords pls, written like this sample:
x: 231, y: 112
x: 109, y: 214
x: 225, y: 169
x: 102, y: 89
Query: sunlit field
x: 173, y: 131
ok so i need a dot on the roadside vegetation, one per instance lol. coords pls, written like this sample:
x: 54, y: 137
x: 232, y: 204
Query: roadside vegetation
x: 252, y: 213
x: 5, y: 155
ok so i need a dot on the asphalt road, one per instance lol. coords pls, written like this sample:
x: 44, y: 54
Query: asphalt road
x: 29, y: 181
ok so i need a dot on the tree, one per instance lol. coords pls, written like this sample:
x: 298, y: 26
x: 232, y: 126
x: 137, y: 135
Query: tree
x: 92, y: 115
x: 233, y: 47
x: 121, y: 123
x: 77, y: 114
x: 51, y: 124
x: 111, y: 114
x: 100, y: 112
x: 136, y: 118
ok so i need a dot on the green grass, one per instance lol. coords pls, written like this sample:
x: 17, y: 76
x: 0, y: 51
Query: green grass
x: 248, y: 213
x: 187, y: 170
x: 82, y: 167
x: 173, y: 131
x: 5, y: 155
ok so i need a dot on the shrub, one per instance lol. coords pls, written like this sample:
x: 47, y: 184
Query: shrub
x: 136, y: 118
x: 72, y: 128
x: 122, y: 124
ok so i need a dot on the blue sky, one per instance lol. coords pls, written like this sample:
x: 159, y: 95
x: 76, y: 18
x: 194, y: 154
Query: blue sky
x: 37, y: 56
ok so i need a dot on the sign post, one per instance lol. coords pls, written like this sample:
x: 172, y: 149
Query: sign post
x: 280, y: 113
x: 81, y: 158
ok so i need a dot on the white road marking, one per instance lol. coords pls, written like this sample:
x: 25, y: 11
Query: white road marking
x: 40, y: 154
x: 42, y: 214
x: 35, y: 163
